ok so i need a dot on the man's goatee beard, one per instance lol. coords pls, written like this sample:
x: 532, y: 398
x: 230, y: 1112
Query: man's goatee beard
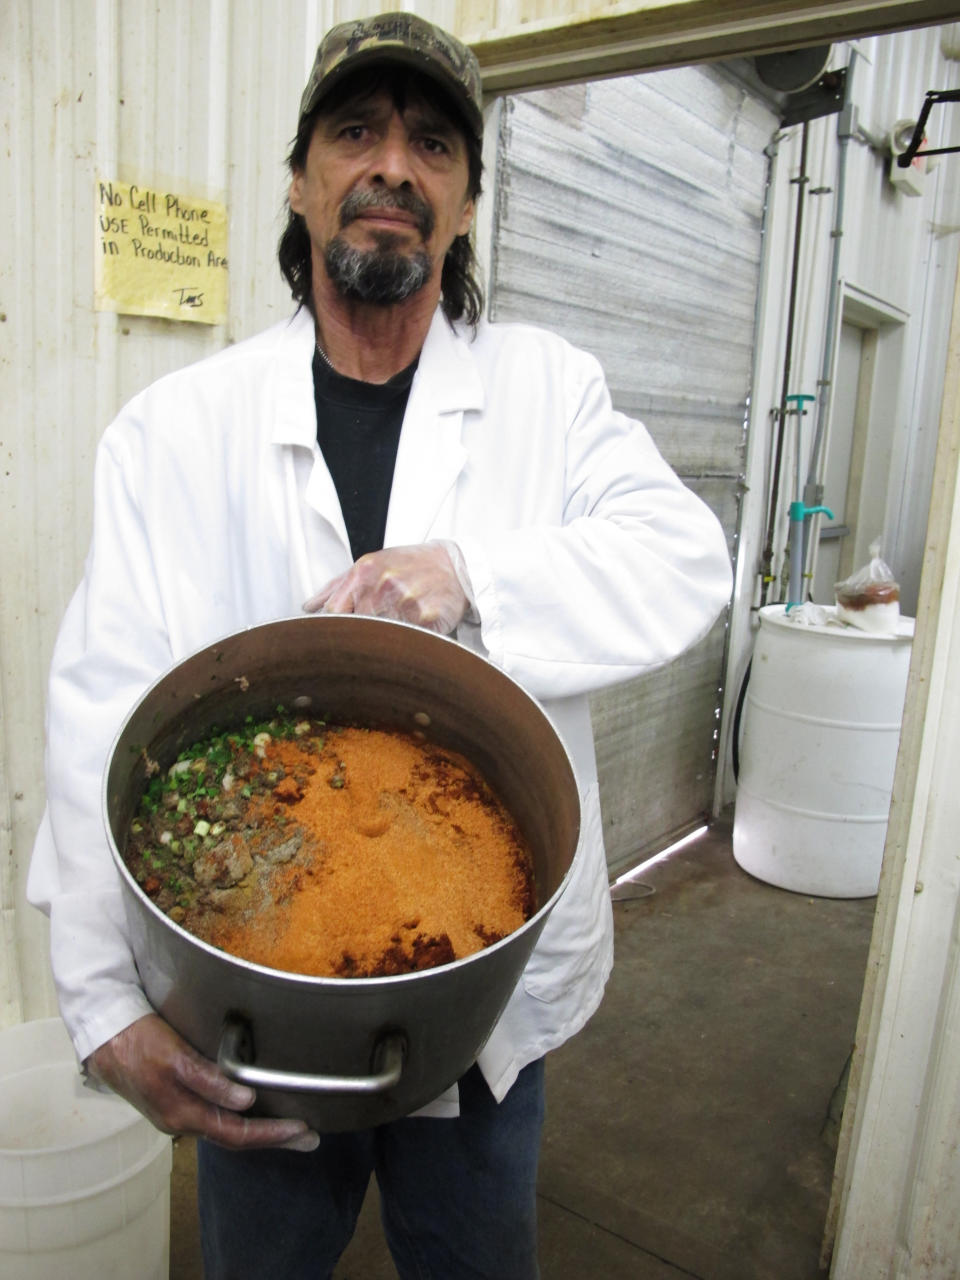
x: 381, y: 276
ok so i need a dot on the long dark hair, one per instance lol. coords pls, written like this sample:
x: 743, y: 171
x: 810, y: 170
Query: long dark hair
x: 462, y: 296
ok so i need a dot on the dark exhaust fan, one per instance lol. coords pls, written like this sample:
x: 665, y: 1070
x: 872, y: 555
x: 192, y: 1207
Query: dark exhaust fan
x: 791, y: 70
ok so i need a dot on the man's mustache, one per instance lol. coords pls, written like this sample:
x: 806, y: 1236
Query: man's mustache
x: 359, y: 201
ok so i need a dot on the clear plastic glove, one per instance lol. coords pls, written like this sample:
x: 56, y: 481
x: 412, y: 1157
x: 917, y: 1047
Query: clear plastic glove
x: 181, y: 1092
x: 409, y: 584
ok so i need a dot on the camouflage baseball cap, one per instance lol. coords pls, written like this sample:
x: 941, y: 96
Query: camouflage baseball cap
x: 397, y: 37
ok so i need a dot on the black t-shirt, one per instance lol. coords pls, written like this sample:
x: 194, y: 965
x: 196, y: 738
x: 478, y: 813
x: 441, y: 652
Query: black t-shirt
x: 358, y: 430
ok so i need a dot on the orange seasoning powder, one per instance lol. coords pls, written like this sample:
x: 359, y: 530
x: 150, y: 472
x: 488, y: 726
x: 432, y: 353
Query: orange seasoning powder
x: 407, y: 860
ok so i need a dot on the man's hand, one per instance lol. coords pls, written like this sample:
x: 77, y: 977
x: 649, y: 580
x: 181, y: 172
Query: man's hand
x: 408, y: 584
x: 182, y: 1092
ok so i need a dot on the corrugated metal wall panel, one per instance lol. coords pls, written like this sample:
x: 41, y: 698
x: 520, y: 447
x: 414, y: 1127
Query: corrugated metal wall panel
x: 656, y: 737
x: 49, y: 379
x: 623, y: 197
x: 629, y: 218
x: 271, y: 50
x: 654, y: 741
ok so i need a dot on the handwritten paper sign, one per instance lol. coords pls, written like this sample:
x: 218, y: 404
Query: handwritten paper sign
x: 159, y: 253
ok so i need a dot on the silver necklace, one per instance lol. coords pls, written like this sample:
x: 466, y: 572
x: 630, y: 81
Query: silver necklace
x: 324, y: 357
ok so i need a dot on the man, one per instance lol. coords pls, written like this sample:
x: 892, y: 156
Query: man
x: 388, y: 452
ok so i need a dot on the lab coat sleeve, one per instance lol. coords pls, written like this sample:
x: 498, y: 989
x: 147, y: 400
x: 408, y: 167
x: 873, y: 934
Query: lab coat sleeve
x: 634, y: 572
x: 111, y: 645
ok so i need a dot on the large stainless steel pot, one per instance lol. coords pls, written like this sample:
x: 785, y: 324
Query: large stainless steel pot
x: 344, y: 1053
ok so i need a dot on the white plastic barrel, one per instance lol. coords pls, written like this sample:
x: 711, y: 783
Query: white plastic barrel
x: 84, y: 1178
x: 820, y: 732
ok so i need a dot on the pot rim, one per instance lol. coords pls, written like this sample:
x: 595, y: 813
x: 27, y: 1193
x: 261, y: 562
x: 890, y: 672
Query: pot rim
x: 318, y: 980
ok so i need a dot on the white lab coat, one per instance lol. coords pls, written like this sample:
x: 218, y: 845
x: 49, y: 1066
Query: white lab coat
x: 590, y: 563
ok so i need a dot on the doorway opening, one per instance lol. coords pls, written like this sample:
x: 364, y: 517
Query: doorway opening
x: 864, y: 458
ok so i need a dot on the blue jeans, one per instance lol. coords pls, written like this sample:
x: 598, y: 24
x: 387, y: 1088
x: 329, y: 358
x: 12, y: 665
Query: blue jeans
x: 457, y: 1197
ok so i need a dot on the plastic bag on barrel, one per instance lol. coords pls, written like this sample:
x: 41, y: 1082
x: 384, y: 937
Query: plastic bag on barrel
x: 870, y: 597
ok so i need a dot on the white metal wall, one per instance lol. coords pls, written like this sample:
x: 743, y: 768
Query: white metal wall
x: 899, y: 256
x: 899, y: 252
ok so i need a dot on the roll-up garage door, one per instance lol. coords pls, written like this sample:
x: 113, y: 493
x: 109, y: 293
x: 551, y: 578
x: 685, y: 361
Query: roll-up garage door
x: 629, y: 219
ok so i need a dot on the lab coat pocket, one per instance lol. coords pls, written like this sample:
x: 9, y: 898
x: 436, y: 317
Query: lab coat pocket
x: 575, y: 950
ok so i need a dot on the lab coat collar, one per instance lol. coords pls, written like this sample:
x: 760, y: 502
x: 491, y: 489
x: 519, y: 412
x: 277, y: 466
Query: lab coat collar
x: 447, y: 368
x: 295, y: 421
x: 430, y: 454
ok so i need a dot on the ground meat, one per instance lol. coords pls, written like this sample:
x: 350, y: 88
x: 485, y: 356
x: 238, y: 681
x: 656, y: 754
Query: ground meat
x: 224, y: 865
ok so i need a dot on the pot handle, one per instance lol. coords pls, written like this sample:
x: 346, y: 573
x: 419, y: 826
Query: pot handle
x: 235, y: 1054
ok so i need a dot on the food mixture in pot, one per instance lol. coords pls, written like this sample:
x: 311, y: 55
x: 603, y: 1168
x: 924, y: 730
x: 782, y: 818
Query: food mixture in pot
x: 331, y: 849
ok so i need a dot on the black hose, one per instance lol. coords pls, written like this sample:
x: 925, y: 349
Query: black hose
x: 737, y: 716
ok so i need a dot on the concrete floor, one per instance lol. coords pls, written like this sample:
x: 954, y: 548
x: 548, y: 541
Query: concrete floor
x: 689, y: 1126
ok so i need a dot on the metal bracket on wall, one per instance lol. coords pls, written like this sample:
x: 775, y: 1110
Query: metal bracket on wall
x: 825, y: 98
x: 934, y: 96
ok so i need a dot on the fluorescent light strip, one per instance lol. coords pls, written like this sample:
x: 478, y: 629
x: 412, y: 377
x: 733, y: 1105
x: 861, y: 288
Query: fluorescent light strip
x: 661, y: 856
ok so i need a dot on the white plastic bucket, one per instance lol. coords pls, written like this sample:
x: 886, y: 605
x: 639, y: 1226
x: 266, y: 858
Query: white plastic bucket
x: 84, y: 1178
x: 821, y: 727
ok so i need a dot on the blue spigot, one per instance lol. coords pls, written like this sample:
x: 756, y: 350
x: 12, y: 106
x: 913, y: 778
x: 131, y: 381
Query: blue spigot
x: 798, y: 513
